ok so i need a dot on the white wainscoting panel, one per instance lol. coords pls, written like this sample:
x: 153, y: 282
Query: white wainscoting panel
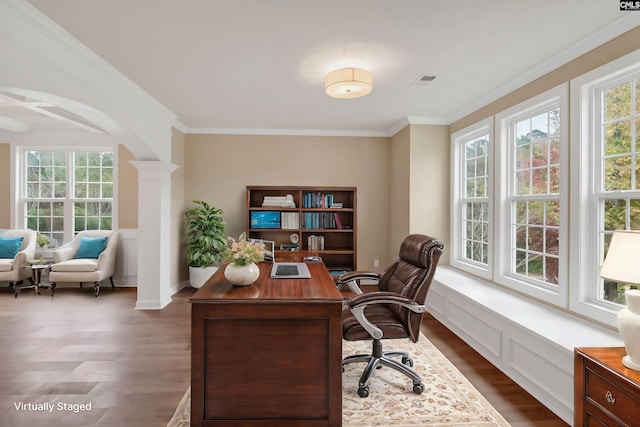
x: 532, y: 343
x: 127, y: 260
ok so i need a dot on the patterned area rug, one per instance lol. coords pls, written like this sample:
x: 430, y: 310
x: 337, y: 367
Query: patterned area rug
x: 449, y: 398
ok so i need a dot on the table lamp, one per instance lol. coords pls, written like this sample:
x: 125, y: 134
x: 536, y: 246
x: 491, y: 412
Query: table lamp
x: 622, y: 265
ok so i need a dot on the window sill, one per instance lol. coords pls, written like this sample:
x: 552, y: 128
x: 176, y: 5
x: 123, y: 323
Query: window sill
x: 529, y: 341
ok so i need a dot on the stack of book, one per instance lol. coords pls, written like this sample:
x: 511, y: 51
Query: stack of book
x: 290, y: 220
x: 318, y: 200
x: 279, y: 201
x: 315, y: 220
x: 315, y: 243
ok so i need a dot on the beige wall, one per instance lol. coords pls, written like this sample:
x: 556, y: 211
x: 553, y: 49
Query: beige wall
x: 5, y: 185
x: 400, y: 181
x: 614, y: 49
x: 219, y: 167
x: 127, y: 190
x: 179, y: 267
x: 429, y: 187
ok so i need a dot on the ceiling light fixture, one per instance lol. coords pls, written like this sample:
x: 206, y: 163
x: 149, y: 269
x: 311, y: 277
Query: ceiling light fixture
x: 348, y: 83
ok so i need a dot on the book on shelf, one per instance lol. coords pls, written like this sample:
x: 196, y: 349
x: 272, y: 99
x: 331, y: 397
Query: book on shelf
x: 315, y: 243
x: 290, y: 220
x: 279, y: 201
x: 338, y: 271
x: 318, y: 200
x: 336, y: 205
x: 292, y: 247
x: 321, y: 220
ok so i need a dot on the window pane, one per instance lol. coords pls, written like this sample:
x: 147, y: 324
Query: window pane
x: 617, y: 138
x: 617, y: 173
x: 617, y: 102
x: 614, y: 214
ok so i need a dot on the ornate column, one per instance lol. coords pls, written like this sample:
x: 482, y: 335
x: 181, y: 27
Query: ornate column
x: 154, y: 233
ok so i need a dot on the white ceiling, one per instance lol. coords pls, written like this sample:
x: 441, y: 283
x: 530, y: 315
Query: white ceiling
x: 257, y: 66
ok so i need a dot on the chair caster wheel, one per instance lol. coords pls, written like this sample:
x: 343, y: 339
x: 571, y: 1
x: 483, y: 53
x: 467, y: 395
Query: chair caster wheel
x: 418, y: 388
x: 407, y: 361
x: 363, y: 391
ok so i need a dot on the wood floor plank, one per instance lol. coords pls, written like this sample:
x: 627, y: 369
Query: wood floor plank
x: 133, y: 366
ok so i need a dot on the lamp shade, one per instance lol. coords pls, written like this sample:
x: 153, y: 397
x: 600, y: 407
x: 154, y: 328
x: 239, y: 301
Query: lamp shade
x: 348, y: 83
x: 622, y: 261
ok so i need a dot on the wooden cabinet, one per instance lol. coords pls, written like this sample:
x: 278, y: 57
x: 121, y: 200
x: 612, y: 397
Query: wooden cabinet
x: 322, y: 220
x: 606, y: 392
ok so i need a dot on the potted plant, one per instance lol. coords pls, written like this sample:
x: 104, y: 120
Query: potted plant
x: 205, y: 232
x: 42, y: 241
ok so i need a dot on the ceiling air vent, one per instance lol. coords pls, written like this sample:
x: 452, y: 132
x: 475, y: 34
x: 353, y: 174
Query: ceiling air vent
x: 424, y: 80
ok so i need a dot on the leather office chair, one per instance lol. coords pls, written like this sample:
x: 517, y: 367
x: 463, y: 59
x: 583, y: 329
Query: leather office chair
x: 70, y: 267
x: 394, y: 311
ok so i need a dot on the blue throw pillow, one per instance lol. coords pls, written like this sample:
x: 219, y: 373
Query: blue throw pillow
x: 91, y: 247
x: 10, y: 246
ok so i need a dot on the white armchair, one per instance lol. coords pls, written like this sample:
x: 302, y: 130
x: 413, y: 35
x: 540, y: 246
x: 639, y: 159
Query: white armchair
x: 10, y: 268
x: 69, y: 266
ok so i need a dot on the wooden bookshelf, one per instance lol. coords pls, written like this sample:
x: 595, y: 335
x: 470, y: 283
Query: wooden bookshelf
x: 311, y: 213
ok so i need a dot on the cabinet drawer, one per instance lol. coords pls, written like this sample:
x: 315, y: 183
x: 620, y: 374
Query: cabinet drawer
x: 611, y: 397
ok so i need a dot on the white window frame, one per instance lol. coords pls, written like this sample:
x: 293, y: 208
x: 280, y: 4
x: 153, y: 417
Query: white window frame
x: 458, y: 187
x: 19, y: 188
x: 585, y: 142
x: 556, y: 295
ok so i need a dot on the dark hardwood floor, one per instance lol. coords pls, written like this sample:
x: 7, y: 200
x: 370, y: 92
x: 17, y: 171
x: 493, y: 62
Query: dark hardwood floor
x: 132, y: 366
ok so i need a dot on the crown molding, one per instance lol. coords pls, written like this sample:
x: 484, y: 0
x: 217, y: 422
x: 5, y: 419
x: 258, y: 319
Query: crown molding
x: 286, y: 132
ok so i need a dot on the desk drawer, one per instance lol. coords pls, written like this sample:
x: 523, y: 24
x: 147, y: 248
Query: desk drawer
x: 611, y: 397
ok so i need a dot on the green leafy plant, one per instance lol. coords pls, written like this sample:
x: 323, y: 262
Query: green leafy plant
x: 42, y: 240
x: 205, y: 232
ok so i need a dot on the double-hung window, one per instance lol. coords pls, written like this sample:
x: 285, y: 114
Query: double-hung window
x: 64, y: 191
x: 508, y: 197
x: 472, y: 208
x: 532, y: 198
x: 606, y: 171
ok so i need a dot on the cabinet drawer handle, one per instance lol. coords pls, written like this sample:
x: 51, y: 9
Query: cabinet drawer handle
x: 610, y: 397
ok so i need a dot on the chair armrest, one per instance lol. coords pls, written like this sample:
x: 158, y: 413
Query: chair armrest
x: 359, y: 302
x: 104, y: 255
x: 19, y: 259
x: 352, y: 279
x: 63, y: 253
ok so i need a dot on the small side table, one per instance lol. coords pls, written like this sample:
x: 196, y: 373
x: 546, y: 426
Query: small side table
x: 36, y: 276
x: 606, y: 393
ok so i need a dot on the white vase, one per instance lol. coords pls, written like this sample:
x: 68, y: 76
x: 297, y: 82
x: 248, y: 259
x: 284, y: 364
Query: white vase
x: 242, y: 275
x: 199, y: 275
x: 629, y: 327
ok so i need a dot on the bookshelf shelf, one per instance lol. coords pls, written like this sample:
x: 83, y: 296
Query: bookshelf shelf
x: 323, y: 219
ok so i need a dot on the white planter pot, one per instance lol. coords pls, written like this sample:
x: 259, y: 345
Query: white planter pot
x: 242, y: 275
x: 198, y: 275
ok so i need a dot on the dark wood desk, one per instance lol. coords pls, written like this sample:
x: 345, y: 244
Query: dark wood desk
x: 268, y: 354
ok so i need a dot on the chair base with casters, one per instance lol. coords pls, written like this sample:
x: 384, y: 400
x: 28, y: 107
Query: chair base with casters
x: 378, y: 358
x: 96, y: 286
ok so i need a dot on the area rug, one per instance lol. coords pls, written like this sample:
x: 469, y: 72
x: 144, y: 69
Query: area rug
x: 449, y: 398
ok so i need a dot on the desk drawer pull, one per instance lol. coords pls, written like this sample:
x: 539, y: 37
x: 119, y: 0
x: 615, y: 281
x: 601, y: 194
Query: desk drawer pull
x: 610, y: 397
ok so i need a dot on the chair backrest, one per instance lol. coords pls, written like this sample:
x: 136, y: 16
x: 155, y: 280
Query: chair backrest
x: 411, y: 276
x: 28, y: 243
x: 111, y: 237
